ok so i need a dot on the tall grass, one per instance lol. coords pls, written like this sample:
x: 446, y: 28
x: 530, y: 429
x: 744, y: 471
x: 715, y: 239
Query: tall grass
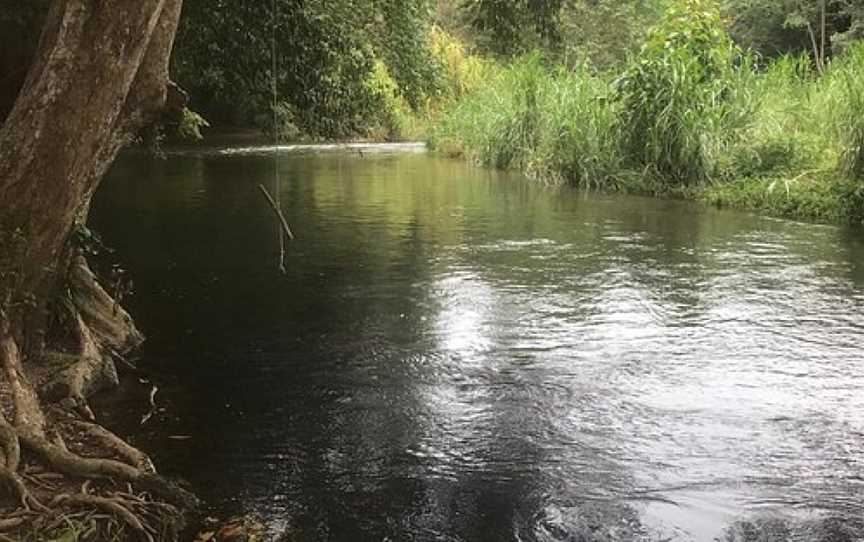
x: 689, y: 114
x: 555, y: 124
x: 780, y: 138
x: 847, y: 74
x: 578, y: 139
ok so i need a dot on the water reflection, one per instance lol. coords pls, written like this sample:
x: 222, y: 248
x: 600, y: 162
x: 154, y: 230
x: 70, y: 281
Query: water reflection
x: 461, y: 355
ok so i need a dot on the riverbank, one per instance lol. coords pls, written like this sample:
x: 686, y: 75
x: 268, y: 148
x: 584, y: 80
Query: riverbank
x: 817, y: 195
x: 693, y: 117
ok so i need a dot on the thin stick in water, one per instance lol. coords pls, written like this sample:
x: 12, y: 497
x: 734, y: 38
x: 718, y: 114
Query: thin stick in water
x: 279, y: 215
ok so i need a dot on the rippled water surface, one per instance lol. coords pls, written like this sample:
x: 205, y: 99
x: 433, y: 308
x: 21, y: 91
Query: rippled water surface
x: 456, y: 354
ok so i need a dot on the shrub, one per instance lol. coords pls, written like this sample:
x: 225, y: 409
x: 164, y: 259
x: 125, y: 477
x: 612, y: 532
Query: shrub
x: 191, y: 124
x: 462, y: 72
x: 394, y: 115
x: 685, y: 94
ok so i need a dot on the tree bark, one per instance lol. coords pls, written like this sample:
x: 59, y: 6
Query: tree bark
x: 99, y: 75
x: 100, y: 72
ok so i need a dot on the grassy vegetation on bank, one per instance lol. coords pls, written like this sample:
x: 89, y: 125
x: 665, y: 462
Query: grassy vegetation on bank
x: 691, y: 114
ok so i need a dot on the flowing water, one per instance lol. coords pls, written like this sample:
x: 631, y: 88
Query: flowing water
x: 458, y: 354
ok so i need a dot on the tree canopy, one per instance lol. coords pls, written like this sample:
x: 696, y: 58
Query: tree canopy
x: 326, y: 50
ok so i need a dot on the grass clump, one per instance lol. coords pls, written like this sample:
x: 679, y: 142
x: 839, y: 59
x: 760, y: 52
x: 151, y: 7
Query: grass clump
x: 847, y: 75
x: 779, y: 139
x: 553, y: 123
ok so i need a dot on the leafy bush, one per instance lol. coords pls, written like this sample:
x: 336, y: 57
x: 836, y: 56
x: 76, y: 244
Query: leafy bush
x: 462, y: 72
x: 328, y: 52
x: 394, y: 118
x: 690, y: 107
x: 191, y: 124
x: 508, y: 28
x: 685, y: 94
x: 399, y: 36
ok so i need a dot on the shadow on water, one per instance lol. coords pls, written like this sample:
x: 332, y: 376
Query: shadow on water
x: 456, y: 354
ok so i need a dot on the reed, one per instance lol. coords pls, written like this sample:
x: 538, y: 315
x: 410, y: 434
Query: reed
x: 557, y: 125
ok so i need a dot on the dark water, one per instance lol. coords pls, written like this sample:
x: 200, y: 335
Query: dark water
x: 456, y: 354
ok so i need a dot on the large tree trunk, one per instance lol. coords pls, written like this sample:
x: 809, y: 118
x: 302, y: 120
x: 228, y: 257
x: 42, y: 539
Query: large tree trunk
x: 100, y: 73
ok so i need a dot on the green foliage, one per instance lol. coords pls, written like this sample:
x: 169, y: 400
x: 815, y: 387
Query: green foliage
x: 280, y: 122
x: 602, y: 31
x: 763, y: 25
x: 556, y: 124
x: 684, y: 95
x: 511, y: 27
x: 461, y: 72
x: 395, y: 114
x: 605, y: 32
x: 223, y: 58
x: 849, y: 110
x: 850, y: 27
x: 691, y: 115
x: 777, y: 27
x: 802, y: 155
x: 577, y: 137
x: 399, y: 38
x: 327, y: 52
x: 801, y: 198
x: 191, y: 124
x: 779, y: 139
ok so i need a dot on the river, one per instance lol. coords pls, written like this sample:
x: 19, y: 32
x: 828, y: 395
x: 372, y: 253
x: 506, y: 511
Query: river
x: 460, y: 354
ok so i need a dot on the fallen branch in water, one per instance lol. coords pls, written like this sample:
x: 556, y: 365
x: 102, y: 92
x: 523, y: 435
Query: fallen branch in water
x: 278, y: 211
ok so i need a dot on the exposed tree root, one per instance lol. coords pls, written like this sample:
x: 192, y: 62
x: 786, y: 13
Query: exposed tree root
x: 66, y: 462
x: 101, y: 329
x: 9, y: 445
x: 130, y: 454
x: 111, y: 326
x: 113, y: 506
x: 27, y: 411
x: 14, y: 486
x: 11, y: 523
x: 56, y: 144
x: 94, y: 453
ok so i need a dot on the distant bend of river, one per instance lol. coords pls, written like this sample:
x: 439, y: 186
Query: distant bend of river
x: 463, y: 355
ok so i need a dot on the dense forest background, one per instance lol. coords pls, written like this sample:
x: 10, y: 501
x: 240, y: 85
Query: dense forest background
x: 349, y: 68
